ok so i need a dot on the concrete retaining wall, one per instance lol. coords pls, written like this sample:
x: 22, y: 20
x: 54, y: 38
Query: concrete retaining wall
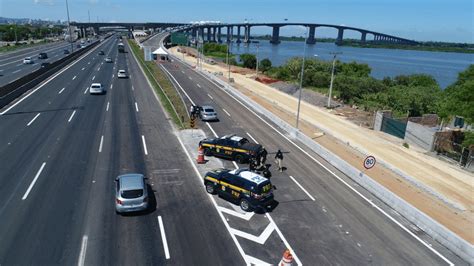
x: 436, y: 230
x: 420, y: 135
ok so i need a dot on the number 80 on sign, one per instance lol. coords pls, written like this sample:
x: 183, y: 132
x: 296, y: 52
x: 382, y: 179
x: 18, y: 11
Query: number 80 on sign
x: 369, y: 162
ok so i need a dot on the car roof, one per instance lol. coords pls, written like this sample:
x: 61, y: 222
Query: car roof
x: 28, y: 57
x: 207, y: 107
x: 131, y: 181
x: 250, y: 176
x: 96, y: 84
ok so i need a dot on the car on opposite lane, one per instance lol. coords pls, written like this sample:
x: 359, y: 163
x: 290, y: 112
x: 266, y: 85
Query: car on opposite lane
x: 96, y: 88
x: 131, y: 193
x: 122, y: 74
x: 101, y: 53
x: 66, y: 51
x: 108, y: 59
x: 28, y: 60
x: 42, y: 56
x: 208, y: 113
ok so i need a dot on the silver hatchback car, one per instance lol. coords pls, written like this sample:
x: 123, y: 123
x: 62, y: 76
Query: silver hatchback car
x: 131, y: 193
x: 208, y: 113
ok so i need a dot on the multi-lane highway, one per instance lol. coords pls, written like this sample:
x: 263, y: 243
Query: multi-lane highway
x: 61, y: 149
x: 12, y: 67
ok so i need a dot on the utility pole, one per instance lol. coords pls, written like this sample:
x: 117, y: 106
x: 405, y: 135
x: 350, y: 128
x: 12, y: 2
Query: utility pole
x: 301, y: 80
x: 228, y: 62
x: 256, y: 71
x: 69, y: 26
x: 332, y: 77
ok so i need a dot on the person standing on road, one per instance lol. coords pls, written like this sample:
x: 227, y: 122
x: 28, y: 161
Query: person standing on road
x: 192, y: 111
x: 263, y: 158
x: 279, y: 159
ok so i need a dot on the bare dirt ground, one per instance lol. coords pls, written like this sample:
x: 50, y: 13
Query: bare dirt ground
x: 437, y: 188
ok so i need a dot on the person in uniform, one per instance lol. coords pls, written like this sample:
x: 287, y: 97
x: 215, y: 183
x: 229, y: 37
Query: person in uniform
x: 278, y: 160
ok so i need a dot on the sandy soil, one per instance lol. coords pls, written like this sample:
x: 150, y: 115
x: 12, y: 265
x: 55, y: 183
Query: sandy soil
x: 439, y: 189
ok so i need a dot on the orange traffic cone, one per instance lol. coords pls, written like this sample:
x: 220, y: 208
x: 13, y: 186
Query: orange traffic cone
x: 200, y: 158
x: 287, y: 259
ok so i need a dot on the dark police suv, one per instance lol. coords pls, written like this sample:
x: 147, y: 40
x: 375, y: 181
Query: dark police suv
x: 231, y: 147
x: 248, y: 189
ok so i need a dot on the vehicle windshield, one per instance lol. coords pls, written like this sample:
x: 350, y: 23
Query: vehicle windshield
x: 208, y: 110
x: 132, y: 194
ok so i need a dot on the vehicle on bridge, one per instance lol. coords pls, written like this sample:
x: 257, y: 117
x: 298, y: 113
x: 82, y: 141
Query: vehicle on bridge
x: 231, y: 147
x: 121, y: 48
x: 250, y: 190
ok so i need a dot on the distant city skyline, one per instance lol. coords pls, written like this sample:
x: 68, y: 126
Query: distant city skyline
x: 422, y: 20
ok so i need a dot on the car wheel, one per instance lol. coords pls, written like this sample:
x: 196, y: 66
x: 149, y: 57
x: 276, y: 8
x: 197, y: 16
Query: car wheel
x: 239, y: 159
x: 207, y: 152
x: 210, y: 188
x: 244, y: 205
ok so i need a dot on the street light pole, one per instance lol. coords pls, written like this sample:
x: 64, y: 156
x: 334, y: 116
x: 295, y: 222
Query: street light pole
x: 69, y: 26
x: 301, y: 80
x: 332, y: 77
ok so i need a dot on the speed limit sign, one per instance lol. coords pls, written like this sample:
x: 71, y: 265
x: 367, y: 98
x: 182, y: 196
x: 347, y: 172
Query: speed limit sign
x: 369, y: 162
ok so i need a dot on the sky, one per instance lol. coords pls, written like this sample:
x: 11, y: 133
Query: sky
x: 421, y: 20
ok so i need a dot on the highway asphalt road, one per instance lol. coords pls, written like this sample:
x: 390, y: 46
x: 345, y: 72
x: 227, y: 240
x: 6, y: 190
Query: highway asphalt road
x: 12, y: 67
x: 323, y: 215
x: 62, y: 149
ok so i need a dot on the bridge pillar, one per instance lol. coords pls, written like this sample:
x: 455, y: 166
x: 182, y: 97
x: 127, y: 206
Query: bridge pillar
x: 363, y: 37
x: 238, y: 35
x: 219, y: 35
x: 213, y: 34
x: 275, y: 35
x: 340, y: 36
x: 311, y: 39
x: 229, y: 34
x: 200, y: 34
x: 208, y: 34
x: 96, y: 30
x: 247, y: 34
x: 193, y: 32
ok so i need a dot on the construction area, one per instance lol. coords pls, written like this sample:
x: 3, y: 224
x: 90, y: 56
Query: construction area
x: 439, y: 189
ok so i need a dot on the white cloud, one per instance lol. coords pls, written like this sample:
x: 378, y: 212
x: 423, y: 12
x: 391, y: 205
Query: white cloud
x: 44, y: 2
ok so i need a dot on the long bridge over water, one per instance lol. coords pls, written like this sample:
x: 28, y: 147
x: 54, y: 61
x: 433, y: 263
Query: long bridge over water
x: 213, y: 32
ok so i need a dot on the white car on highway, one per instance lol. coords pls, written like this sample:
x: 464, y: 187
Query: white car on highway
x: 28, y: 60
x: 96, y: 88
x: 122, y: 74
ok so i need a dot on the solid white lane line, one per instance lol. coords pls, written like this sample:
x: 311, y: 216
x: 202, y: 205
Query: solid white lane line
x: 144, y: 145
x: 225, y: 111
x: 85, y: 91
x: 224, y: 221
x: 93, y: 77
x: 213, y: 132
x: 83, y: 68
x: 34, y: 181
x: 254, y: 140
x: 111, y: 86
x: 210, y: 96
x: 163, y: 238
x: 82, y: 254
x: 404, y: 228
x: 33, y: 120
x: 61, y: 91
x: 74, y: 78
x: 101, y: 143
x: 198, y: 85
x: 72, y: 115
x: 107, y: 109
x: 136, y: 106
x: 302, y: 188
x: 179, y: 85
x: 16, y: 71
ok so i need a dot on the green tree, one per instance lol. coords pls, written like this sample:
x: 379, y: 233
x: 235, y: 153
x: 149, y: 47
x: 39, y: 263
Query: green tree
x: 265, y: 65
x: 355, y: 69
x: 458, y: 100
x: 248, y: 60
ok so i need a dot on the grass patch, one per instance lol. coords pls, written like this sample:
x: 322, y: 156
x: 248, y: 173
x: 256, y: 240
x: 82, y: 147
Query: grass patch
x: 168, y: 95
